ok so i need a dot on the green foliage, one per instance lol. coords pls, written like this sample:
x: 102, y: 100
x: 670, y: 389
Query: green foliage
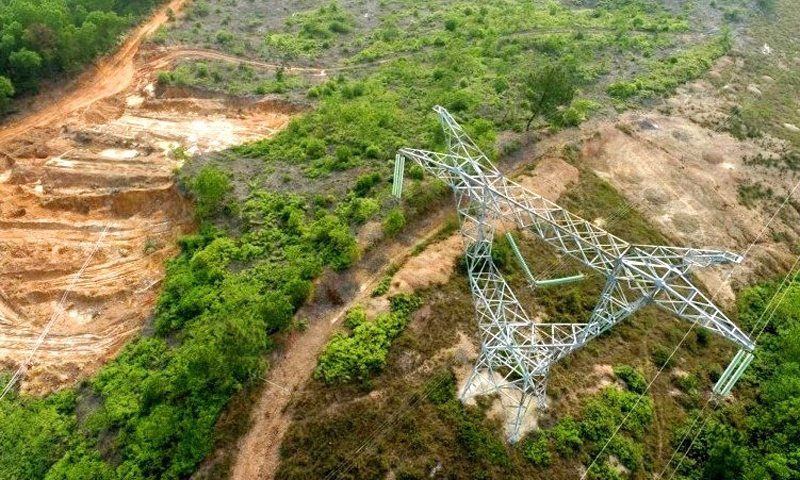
x: 365, y: 183
x: 662, y: 357
x: 335, y: 242
x: 6, y: 92
x: 355, y: 317
x: 536, y: 450
x: 480, y: 443
x: 547, y: 89
x: 34, y: 434
x: 416, y: 172
x: 394, y: 222
x: 357, y: 209
x: 757, y: 435
x: 602, y: 415
x: 566, y: 437
x: 664, y: 75
x: 210, y: 187
x: 633, y: 379
x: 45, y: 40
x: 363, y: 353
x: 603, y: 471
x: 386, y: 281
x: 629, y: 452
x: 441, y: 388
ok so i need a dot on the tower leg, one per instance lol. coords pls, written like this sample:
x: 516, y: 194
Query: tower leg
x: 540, y: 386
x: 515, y: 423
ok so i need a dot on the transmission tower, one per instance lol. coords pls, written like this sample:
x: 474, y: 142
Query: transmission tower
x: 516, y: 352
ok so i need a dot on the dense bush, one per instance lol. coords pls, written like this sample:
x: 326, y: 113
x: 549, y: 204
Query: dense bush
x: 566, y: 437
x: 394, y: 222
x: 757, y: 435
x: 441, y: 388
x: 42, y: 40
x: 536, y: 450
x: 602, y: 415
x: 363, y: 353
x: 632, y: 378
x: 210, y: 187
x: 479, y: 442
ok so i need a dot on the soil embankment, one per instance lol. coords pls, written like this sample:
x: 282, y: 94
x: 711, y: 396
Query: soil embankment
x: 101, y: 158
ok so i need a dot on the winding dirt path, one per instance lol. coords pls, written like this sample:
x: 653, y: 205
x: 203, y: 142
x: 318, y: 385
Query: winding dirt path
x: 258, y: 451
x: 112, y: 75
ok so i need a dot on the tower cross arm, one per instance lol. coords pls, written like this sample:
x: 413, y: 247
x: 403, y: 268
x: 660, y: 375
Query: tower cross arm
x: 686, y: 258
x: 686, y: 301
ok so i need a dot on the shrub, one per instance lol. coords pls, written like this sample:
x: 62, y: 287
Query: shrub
x: 164, y: 78
x: 355, y: 317
x: 357, y: 356
x: 315, y: 148
x: 394, y: 222
x: 441, y: 388
x: 224, y: 37
x: 602, y: 414
x: 211, y: 187
x: 622, y: 89
x: 334, y: 241
x: 662, y: 357
x: 603, y: 471
x: 478, y: 441
x: 365, y: 182
x: 416, y: 172
x: 629, y: 453
x: 450, y: 24
x: 536, y: 450
x: 632, y: 378
x: 566, y: 437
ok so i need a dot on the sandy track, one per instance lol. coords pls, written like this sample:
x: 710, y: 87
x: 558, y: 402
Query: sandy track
x: 258, y: 454
x: 109, y: 77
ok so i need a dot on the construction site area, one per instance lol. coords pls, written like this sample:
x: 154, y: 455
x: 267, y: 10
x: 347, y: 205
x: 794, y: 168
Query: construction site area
x: 210, y: 269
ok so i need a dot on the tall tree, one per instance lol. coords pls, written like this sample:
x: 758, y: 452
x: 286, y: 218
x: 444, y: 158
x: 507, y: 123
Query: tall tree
x: 6, y: 92
x: 547, y: 89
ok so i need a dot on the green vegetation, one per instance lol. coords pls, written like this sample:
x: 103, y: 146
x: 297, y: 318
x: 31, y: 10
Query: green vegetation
x: 634, y: 380
x: 361, y: 354
x: 151, y: 412
x: 665, y: 75
x: 235, y: 79
x: 546, y: 90
x: 45, y: 40
x: 758, y: 434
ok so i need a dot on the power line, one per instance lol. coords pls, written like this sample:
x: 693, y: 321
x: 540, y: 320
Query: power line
x: 56, y: 314
x: 783, y: 289
x: 761, y: 233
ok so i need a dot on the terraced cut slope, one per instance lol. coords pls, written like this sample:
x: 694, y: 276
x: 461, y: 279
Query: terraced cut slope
x: 101, y: 159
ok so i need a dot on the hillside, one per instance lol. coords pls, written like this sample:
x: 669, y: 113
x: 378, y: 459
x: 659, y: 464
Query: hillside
x: 307, y: 323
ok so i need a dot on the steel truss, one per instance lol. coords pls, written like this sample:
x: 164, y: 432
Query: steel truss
x: 516, y: 352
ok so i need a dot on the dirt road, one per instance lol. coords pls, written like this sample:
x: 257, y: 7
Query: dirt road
x: 258, y: 454
x: 111, y: 75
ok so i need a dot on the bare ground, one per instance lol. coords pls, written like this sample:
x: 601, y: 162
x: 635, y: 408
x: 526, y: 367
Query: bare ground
x: 101, y: 157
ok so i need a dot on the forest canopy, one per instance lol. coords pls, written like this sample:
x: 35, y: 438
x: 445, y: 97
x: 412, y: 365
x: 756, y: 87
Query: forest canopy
x: 41, y: 39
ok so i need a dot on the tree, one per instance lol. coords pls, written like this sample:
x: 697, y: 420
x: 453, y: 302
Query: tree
x: 547, y: 89
x: 6, y: 92
x: 26, y: 66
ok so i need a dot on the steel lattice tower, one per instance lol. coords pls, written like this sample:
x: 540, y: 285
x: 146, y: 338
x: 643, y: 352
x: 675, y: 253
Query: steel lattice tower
x: 516, y: 352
